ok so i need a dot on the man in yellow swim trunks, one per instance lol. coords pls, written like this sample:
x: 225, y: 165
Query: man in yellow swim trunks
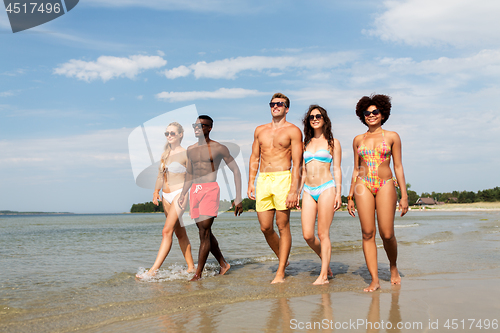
x: 276, y: 146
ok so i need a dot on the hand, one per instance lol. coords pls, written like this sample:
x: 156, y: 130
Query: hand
x: 156, y: 197
x: 350, y: 208
x: 338, y: 203
x: 298, y: 202
x: 181, y: 201
x: 251, y: 191
x: 238, y: 208
x: 292, y: 200
x: 403, y: 205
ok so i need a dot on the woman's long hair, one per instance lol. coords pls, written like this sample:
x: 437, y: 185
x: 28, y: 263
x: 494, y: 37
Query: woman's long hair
x: 327, y: 127
x: 167, y: 150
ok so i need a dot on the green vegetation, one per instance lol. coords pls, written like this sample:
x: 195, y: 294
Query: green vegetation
x: 489, y: 195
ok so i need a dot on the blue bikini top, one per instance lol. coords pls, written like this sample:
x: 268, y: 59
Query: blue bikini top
x: 321, y: 155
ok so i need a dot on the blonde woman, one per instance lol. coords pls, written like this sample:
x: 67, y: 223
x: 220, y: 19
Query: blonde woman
x: 171, y: 176
x: 321, y: 196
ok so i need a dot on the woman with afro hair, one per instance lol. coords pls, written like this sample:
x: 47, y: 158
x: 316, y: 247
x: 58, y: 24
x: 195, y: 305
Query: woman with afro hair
x: 373, y: 184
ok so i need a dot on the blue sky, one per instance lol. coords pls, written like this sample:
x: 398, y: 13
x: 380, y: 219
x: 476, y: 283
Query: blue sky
x: 73, y: 89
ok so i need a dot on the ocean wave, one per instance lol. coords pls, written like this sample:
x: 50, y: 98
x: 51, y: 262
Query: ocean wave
x: 406, y: 225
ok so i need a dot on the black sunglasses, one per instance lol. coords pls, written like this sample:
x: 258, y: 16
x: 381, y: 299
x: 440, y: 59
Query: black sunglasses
x: 317, y: 116
x: 199, y: 125
x: 170, y: 133
x: 280, y: 104
x: 375, y: 112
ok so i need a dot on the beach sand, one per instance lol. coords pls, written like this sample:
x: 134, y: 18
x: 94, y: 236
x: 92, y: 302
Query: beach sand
x: 466, y: 301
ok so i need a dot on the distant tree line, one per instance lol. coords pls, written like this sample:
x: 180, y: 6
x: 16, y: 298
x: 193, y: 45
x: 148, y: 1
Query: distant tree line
x: 489, y: 195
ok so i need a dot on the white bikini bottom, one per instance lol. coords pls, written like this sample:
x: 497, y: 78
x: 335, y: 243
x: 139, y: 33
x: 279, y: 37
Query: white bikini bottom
x: 170, y: 196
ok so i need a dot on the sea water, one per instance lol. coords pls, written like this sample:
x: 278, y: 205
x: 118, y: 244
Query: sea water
x: 70, y: 272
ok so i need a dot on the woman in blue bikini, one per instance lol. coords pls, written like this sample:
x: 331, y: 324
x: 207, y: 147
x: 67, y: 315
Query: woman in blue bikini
x: 170, y: 181
x: 321, y: 190
x: 373, y: 184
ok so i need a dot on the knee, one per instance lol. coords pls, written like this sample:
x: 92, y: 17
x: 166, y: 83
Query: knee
x: 387, y: 236
x: 368, y: 235
x: 167, y: 232
x: 266, y: 230
x: 204, y: 233
x: 309, y: 237
x: 323, y: 236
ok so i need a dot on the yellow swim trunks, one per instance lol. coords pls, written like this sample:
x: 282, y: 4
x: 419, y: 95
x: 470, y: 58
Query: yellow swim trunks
x: 272, y: 190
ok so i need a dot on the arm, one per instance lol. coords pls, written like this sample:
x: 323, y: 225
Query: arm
x: 303, y: 176
x: 187, y: 182
x: 400, y: 175
x: 231, y: 164
x: 253, y: 166
x: 292, y: 199
x: 337, y: 173
x: 355, y: 171
x: 158, y: 185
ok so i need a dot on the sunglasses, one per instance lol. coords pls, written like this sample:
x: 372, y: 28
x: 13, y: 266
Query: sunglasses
x: 199, y: 125
x: 167, y: 134
x: 375, y: 112
x: 280, y: 104
x: 317, y: 116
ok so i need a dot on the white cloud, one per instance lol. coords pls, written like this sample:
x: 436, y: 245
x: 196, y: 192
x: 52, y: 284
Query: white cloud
x: 229, y: 68
x: 101, y: 149
x: 180, y: 71
x: 485, y: 62
x: 6, y: 93
x: 107, y: 67
x: 427, y: 22
x: 222, y: 93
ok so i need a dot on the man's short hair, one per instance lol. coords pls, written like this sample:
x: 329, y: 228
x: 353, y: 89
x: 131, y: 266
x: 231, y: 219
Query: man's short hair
x: 204, y: 116
x: 280, y: 95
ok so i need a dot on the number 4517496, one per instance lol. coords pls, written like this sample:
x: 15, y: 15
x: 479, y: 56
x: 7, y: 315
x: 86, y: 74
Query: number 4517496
x: 471, y: 323
x: 33, y: 8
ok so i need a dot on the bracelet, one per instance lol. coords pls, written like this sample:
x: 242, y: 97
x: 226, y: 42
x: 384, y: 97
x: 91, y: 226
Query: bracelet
x: 350, y: 198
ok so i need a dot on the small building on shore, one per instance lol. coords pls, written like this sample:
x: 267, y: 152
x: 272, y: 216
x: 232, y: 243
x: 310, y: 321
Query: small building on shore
x: 425, y: 202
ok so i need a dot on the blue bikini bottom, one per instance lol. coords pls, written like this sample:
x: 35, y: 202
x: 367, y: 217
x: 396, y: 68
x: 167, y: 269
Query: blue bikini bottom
x: 315, y: 192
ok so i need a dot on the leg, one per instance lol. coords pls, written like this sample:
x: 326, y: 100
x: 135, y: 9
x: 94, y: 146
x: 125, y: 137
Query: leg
x: 208, y: 243
x: 325, y: 216
x: 166, y: 242
x: 386, y: 207
x: 266, y: 226
x: 285, y: 243
x: 181, y: 234
x: 308, y: 219
x: 365, y: 202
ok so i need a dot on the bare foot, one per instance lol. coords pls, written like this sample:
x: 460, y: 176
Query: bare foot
x: 395, y: 277
x: 191, y: 269
x: 320, y: 281
x: 146, y: 274
x: 224, y: 269
x: 330, y: 273
x: 196, y: 277
x: 278, y: 279
x: 372, y: 287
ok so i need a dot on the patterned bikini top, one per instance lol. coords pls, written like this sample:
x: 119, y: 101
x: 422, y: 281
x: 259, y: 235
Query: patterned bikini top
x: 321, y: 155
x: 374, y: 157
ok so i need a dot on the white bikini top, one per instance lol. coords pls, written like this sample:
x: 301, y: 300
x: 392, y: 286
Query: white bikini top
x: 175, y: 167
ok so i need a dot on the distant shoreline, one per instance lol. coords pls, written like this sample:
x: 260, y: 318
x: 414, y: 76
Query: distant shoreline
x: 10, y: 212
x: 475, y: 206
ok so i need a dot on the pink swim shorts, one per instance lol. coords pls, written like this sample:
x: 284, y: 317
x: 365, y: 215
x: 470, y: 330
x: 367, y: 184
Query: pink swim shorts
x: 204, y: 200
